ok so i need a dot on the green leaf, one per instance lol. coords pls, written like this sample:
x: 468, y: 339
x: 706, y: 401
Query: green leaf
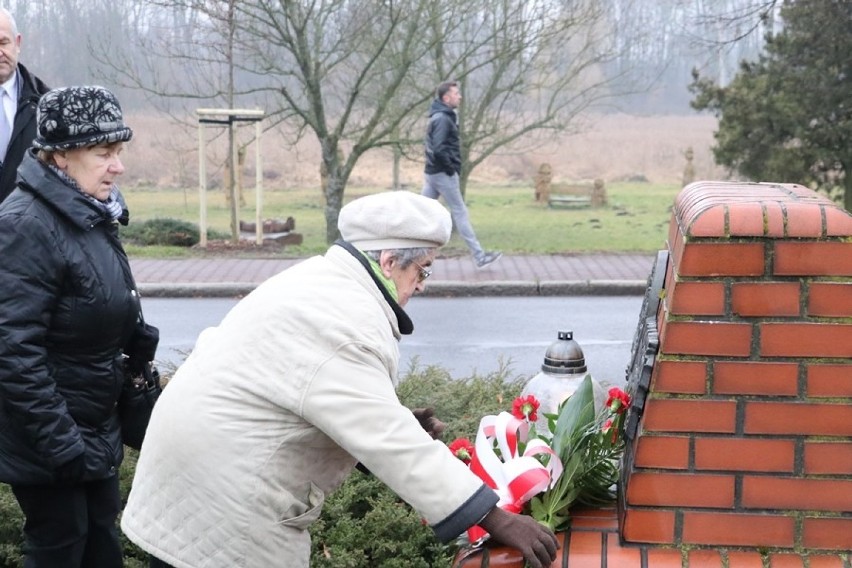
x: 577, y: 412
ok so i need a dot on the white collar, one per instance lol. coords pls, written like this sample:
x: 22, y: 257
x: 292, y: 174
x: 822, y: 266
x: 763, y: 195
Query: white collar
x: 10, y: 86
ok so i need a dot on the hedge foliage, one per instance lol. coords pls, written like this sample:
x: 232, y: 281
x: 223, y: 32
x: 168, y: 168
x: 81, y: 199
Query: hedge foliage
x: 163, y: 231
x: 363, y: 524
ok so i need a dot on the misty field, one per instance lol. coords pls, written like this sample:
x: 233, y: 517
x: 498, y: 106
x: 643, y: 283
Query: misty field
x: 640, y: 159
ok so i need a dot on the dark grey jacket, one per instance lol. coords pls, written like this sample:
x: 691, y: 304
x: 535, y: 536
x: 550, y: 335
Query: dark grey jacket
x: 24, y: 129
x: 68, y: 306
x: 443, y: 153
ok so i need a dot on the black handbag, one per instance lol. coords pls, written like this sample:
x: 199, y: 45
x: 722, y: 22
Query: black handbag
x: 141, y: 387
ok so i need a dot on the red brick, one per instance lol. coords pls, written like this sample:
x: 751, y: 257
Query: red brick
x: 754, y: 377
x: 709, y: 222
x: 804, y: 220
x: 744, y: 454
x: 721, y: 259
x: 690, y: 416
x: 827, y: 533
x: 682, y: 377
x: 786, y: 560
x: 648, y: 526
x: 745, y: 219
x: 665, y: 558
x: 696, y: 298
x: 830, y: 299
x: 774, y: 220
x: 704, y: 559
x: 617, y: 555
x: 707, y: 338
x: 586, y: 548
x: 765, y: 298
x: 797, y: 418
x: 838, y: 222
x: 597, y: 519
x: 680, y: 490
x: 738, y: 559
x: 805, y: 340
x: 675, y: 240
x: 828, y: 458
x: 662, y: 452
x: 813, y: 259
x: 797, y: 493
x: 736, y: 529
x: 824, y: 561
x: 830, y: 380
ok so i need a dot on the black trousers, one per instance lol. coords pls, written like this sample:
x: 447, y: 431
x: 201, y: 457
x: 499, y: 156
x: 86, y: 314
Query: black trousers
x: 71, y: 526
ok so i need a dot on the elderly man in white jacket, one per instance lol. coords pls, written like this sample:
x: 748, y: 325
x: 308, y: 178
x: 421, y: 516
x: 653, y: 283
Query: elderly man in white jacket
x: 276, y: 405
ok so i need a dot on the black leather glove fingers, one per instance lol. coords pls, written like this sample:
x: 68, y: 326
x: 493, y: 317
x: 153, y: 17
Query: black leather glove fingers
x: 535, y: 541
x: 71, y: 472
x: 426, y: 417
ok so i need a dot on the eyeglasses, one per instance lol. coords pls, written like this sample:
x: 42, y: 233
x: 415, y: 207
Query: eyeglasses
x: 424, y: 272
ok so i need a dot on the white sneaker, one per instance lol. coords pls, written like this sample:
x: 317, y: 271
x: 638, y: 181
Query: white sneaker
x: 488, y: 258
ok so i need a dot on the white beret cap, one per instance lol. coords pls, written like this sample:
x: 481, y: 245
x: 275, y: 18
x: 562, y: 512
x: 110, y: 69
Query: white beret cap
x: 395, y: 220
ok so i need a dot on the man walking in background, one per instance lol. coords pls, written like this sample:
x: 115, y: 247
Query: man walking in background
x: 19, y: 95
x: 443, y: 165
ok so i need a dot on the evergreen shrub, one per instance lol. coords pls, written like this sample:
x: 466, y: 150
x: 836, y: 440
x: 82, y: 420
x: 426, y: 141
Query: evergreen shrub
x: 162, y: 231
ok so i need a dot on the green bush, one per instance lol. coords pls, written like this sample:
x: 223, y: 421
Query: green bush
x: 163, y: 231
x: 11, y: 530
x: 363, y: 524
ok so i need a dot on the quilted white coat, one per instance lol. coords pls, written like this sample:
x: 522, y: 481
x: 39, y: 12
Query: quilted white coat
x: 270, y: 413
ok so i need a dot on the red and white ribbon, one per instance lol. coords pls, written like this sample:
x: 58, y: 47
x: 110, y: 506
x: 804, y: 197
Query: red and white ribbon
x: 515, y: 477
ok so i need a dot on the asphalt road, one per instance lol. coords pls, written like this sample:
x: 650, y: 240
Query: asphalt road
x: 463, y: 335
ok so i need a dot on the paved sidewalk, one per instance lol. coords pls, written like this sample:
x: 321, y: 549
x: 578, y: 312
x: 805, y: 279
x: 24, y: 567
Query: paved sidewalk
x: 534, y: 275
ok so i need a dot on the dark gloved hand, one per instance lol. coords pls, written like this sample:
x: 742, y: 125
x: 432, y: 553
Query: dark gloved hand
x: 535, y: 541
x: 71, y: 472
x: 433, y: 426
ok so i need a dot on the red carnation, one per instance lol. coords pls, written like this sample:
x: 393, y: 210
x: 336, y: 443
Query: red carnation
x: 462, y: 449
x: 618, y: 400
x: 526, y: 407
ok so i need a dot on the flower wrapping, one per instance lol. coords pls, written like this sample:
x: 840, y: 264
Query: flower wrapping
x: 509, y: 463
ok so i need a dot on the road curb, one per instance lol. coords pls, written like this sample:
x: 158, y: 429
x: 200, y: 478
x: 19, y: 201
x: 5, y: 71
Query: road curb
x: 445, y: 289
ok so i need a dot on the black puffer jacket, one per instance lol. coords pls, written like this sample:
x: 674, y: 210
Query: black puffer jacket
x: 443, y: 153
x: 68, y: 305
x: 24, y: 129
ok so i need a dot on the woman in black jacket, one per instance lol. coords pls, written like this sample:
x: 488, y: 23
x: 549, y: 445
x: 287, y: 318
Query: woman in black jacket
x: 68, y: 309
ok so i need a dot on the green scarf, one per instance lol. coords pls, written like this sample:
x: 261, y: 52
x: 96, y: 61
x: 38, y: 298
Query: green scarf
x: 389, y: 284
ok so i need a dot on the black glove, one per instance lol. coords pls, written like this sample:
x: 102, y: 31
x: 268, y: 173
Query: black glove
x: 71, y: 472
x: 433, y: 426
x: 141, y: 348
x: 535, y: 541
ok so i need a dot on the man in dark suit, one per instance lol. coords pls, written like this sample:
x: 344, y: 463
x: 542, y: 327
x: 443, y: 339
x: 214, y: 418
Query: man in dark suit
x: 19, y: 94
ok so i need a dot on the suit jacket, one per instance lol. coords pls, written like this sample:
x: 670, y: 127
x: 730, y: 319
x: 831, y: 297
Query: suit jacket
x: 24, y: 129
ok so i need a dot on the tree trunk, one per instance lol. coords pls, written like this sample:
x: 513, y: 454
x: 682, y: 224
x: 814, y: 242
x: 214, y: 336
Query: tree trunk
x: 231, y: 185
x: 333, y: 203
x: 333, y: 181
x: 397, y: 158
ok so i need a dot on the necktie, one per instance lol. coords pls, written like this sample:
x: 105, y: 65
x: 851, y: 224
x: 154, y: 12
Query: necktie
x: 5, y: 128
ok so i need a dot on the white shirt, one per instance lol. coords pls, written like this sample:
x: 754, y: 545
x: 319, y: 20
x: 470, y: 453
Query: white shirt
x: 9, y: 108
x: 10, y: 102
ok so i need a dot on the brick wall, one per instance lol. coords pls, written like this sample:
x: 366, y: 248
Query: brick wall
x: 746, y: 435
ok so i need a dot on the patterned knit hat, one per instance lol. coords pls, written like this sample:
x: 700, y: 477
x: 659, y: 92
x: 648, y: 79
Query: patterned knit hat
x: 74, y: 117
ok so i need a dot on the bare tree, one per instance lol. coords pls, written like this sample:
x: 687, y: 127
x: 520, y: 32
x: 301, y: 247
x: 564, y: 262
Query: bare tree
x: 358, y: 74
x: 528, y: 70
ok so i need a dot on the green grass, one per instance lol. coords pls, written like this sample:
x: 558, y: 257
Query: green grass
x: 505, y: 217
